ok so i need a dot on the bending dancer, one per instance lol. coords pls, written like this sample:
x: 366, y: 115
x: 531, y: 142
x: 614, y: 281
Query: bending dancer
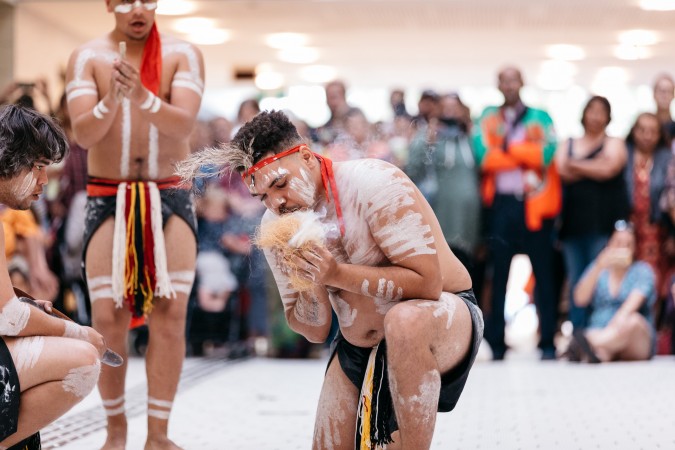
x: 47, y: 365
x: 134, y: 110
x: 409, y: 324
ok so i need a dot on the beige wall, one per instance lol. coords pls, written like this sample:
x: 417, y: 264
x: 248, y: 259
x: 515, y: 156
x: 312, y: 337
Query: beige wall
x: 6, y: 43
x: 42, y: 49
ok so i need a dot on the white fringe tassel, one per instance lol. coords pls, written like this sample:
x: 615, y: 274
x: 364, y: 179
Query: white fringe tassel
x: 119, y: 247
x: 163, y: 286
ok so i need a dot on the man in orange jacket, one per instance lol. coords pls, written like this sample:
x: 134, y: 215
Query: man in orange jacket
x: 514, y: 146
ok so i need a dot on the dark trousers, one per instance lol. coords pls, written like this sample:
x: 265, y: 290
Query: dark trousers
x: 509, y: 236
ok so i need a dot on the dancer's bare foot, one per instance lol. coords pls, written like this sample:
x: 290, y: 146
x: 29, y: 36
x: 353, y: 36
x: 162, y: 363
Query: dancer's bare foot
x: 160, y: 443
x: 117, y: 435
x: 115, y: 443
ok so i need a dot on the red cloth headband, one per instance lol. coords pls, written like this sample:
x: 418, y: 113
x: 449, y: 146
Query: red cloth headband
x: 327, y: 177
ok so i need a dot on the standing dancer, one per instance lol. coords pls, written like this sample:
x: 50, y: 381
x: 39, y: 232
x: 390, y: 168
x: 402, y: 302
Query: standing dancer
x: 134, y: 112
x: 409, y: 325
x: 47, y: 365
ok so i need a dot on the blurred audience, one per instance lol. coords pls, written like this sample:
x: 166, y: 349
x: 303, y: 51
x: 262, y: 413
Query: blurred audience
x: 664, y: 91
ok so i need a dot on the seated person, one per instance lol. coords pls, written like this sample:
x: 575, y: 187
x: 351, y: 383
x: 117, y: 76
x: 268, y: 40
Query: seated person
x: 47, y: 365
x: 621, y: 292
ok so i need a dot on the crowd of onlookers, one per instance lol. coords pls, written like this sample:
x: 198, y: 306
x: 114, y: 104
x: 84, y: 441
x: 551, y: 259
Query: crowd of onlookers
x: 594, y: 213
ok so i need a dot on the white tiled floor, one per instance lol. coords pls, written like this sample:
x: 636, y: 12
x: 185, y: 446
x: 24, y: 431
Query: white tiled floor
x: 521, y: 403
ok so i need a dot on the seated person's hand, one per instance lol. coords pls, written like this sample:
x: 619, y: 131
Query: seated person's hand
x: 95, y: 339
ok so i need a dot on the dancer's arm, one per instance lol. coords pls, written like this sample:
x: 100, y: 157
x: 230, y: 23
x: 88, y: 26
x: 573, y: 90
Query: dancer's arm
x: 397, y: 218
x: 21, y: 319
x: 91, y: 115
x: 174, y: 118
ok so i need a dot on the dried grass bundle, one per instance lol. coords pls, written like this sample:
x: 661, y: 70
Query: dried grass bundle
x: 289, y: 236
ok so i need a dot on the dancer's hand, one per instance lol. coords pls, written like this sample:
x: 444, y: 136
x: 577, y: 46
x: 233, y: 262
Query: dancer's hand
x: 317, y: 264
x: 45, y: 305
x: 130, y: 81
x: 95, y: 339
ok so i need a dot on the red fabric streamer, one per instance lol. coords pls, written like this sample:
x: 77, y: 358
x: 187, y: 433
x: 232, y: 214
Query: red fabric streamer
x: 151, y: 61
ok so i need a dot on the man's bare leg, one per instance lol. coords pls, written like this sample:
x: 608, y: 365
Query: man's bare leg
x: 166, y: 347
x: 113, y: 324
x: 45, y: 396
x: 424, y: 340
x: 336, y: 414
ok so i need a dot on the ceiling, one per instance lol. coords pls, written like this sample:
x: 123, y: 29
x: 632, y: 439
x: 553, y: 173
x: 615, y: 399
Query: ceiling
x: 442, y: 44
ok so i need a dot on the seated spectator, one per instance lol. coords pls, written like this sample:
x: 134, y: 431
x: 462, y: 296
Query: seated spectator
x: 621, y: 292
x: 24, y: 237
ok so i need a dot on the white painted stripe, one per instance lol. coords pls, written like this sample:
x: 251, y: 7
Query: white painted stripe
x: 126, y: 138
x: 157, y: 402
x: 27, y: 352
x: 153, y: 152
x: 188, y: 85
x: 80, y: 92
x: 114, y: 401
x: 188, y: 276
x: 81, y: 380
x: 97, y: 282
x: 77, y: 83
x: 159, y: 414
x: 182, y: 288
x: 115, y: 412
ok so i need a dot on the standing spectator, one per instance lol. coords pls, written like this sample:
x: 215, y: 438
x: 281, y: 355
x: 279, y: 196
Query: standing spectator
x: 397, y: 101
x: 664, y: 91
x: 622, y: 293
x: 358, y: 140
x: 645, y: 175
x: 428, y: 108
x: 442, y: 164
x: 514, y: 146
x: 248, y: 109
x: 336, y: 99
x: 594, y: 194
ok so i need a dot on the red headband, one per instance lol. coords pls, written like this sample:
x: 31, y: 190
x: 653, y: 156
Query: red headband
x: 327, y: 177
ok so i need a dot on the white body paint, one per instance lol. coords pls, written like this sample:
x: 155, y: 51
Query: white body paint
x: 444, y: 305
x: 74, y: 331
x: 13, y: 317
x: 407, y: 237
x: 182, y: 281
x: 28, y: 351
x: 364, y: 288
x: 26, y: 187
x: 425, y: 403
x: 304, y: 187
x: 100, y: 287
x: 81, y: 380
x: 345, y: 314
x: 114, y: 407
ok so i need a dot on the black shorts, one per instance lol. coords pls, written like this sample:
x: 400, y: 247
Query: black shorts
x: 354, y: 360
x: 10, y: 393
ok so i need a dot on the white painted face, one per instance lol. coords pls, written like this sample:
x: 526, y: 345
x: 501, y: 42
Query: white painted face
x: 27, y: 186
x: 127, y: 6
x: 285, y: 185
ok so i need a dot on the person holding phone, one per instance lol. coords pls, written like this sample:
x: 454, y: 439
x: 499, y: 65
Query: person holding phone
x: 621, y: 292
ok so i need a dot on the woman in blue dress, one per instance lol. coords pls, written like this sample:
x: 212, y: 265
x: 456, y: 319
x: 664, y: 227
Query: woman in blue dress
x: 621, y: 293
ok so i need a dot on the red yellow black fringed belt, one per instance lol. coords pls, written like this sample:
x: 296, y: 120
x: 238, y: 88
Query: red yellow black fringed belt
x: 139, y: 271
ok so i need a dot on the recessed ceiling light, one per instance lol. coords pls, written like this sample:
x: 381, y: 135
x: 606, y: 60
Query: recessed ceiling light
x: 631, y: 52
x: 639, y: 37
x: 555, y: 75
x: 191, y: 25
x: 299, y: 55
x: 209, y: 36
x: 565, y: 52
x: 658, y: 5
x: 318, y: 73
x: 268, y: 81
x: 175, y: 7
x: 285, y: 40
